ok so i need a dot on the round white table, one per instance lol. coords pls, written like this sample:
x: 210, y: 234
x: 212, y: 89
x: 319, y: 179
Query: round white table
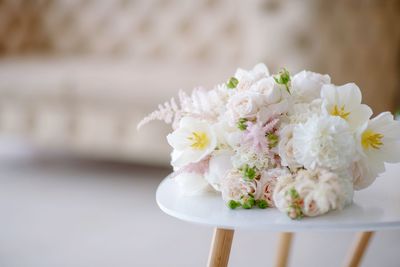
x: 375, y: 208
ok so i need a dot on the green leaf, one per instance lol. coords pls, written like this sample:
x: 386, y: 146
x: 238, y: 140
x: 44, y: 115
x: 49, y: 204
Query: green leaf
x: 232, y: 83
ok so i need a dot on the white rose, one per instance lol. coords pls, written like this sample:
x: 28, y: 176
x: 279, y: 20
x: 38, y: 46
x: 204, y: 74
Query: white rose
x: 244, y: 105
x: 285, y: 147
x: 219, y: 164
x: 191, y: 183
x: 306, y: 85
x: 192, y: 141
x: 269, y: 90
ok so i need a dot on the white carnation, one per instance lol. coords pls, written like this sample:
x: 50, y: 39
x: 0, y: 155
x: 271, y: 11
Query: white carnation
x: 324, y: 142
x: 301, y: 112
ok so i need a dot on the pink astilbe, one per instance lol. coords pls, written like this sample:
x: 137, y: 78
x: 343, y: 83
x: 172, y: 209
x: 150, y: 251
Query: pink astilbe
x: 169, y: 112
x: 256, y: 135
x: 200, y: 104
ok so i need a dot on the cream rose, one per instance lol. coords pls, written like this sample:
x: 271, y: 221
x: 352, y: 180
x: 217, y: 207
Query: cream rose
x: 269, y: 90
x: 244, y: 105
x: 285, y: 147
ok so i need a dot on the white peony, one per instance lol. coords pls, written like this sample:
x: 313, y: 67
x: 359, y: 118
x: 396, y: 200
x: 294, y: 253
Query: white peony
x: 324, y: 142
x: 345, y: 102
x: 191, y: 183
x: 285, y: 147
x: 192, y: 141
x: 378, y: 142
x: 306, y: 85
x: 244, y: 105
x: 219, y: 165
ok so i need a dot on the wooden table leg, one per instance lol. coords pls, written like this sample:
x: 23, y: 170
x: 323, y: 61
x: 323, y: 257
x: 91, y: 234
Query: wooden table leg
x: 220, y: 248
x: 285, y: 241
x: 358, y: 249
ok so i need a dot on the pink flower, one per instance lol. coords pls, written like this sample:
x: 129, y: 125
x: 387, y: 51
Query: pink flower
x: 256, y: 135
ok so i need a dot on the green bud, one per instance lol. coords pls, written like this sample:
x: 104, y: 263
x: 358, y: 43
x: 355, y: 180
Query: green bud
x: 262, y: 204
x: 232, y: 83
x: 242, y: 124
x: 249, y: 173
x: 248, y: 202
x: 272, y: 139
x: 233, y: 204
x: 283, y: 78
x: 293, y: 193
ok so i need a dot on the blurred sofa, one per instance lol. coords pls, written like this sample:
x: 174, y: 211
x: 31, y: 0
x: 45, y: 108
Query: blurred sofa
x: 78, y: 75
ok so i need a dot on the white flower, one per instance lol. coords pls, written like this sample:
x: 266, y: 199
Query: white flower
x: 258, y: 71
x: 228, y: 135
x: 379, y: 143
x: 312, y: 193
x: 285, y: 147
x: 267, y: 182
x: 246, y: 155
x: 192, y: 141
x: 244, y: 105
x: 234, y: 187
x: 220, y: 163
x: 191, y: 183
x: 345, y: 102
x: 306, y: 85
x: 301, y: 112
x: 324, y: 142
x: 270, y: 91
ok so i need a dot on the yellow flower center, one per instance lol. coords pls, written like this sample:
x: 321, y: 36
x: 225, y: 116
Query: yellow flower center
x: 199, y: 140
x: 371, y: 139
x: 341, y: 112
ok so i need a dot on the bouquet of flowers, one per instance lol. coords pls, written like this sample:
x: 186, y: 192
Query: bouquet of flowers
x: 298, y: 143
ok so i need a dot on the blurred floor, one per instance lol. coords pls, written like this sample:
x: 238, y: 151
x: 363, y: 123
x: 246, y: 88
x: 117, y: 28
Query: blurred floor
x: 63, y: 212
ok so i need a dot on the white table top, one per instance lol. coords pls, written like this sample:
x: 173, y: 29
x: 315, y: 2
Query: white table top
x: 374, y: 208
